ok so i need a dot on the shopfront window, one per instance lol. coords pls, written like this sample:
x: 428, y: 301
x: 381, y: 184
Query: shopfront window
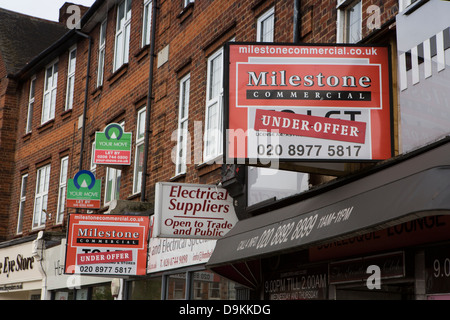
x: 210, y: 286
x: 176, y: 287
x: 149, y: 289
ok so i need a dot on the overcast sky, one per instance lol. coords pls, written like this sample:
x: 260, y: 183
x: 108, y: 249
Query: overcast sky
x: 46, y: 9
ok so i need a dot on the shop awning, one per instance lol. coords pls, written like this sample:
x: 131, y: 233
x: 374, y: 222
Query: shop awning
x: 403, y: 189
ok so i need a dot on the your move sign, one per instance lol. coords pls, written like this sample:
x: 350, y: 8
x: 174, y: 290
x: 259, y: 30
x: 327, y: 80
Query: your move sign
x: 113, y: 146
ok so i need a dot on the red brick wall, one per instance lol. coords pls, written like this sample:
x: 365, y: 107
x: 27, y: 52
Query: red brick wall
x: 192, y: 35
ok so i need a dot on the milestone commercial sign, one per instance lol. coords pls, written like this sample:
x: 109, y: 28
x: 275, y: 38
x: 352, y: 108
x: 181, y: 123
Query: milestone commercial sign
x: 196, y: 211
x: 315, y: 102
x: 104, y: 244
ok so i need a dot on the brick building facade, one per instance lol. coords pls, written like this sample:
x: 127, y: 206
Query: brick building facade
x: 112, y: 70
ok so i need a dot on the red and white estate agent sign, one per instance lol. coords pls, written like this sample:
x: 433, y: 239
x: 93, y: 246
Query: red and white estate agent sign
x: 192, y: 211
x: 307, y: 102
x: 107, y: 244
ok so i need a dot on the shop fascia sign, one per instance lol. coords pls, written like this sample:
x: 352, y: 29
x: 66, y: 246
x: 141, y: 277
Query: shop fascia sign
x: 289, y: 102
x: 84, y: 191
x: 195, y: 211
x: 113, y: 146
x: 107, y: 245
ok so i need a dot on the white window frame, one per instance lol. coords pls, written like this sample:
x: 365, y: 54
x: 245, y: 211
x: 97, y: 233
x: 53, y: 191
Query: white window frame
x: 50, y: 90
x: 31, y: 96
x: 261, y: 35
x: 112, y: 191
x: 403, y: 4
x: 182, y: 132
x: 93, y: 165
x: 71, y: 66
x: 23, y: 198
x: 122, y: 37
x: 140, y: 135
x: 62, y: 189
x: 41, y: 196
x: 101, y: 53
x: 213, y: 136
x: 343, y: 8
x: 147, y: 22
x: 187, y: 2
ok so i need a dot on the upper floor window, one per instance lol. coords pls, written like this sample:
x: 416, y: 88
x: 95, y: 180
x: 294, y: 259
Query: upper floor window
x: 147, y: 22
x: 30, y: 105
x: 349, y: 21
x: 182, y: 134
x: 62, y: 189
x: 50, y: 85
x: 41, y: 196
x: 23, y: 198
x: 139, y: 153
x: 101, y: 54
x: 213, y: 118
x: 121, y: 51
x: 71, y: 78
x: 265, y: 26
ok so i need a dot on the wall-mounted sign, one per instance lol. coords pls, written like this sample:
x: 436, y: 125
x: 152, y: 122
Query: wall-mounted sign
x: 84, y: 191
x: 113, y: 146
x: 104, y: 244
x: 192, y: 211
x: 311, y: 102
x: 172, y: 253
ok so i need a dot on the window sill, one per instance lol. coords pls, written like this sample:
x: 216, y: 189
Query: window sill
x: 26, y: 136
x: 66, y: 114
x: 186, y: 12
x: 142, y: 53
x: 178, y: 176
x: 46, y: 126
x: 118, y: 74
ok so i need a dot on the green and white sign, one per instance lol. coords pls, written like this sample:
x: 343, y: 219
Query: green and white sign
x: 113, y: 146
x: 84, y: 191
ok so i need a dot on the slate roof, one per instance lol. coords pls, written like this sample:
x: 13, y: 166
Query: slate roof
x: 23, y: 37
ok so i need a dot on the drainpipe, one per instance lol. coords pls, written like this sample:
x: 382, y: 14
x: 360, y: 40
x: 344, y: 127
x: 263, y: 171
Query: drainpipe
x: 296, y: 27
x: 86, y: 90
x: 149, y: 104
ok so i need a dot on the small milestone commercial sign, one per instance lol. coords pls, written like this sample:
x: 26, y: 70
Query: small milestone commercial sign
x: 195, y: 211
x: 113, y: 146
x: 311, y: 102
x: 107, y: 244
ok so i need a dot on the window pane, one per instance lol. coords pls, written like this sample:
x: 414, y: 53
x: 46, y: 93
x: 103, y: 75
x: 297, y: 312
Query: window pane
x: 210, y: 286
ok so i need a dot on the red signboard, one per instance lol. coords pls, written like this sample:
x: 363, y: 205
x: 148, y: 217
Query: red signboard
x: 283, y: 98
x: 107, y: 244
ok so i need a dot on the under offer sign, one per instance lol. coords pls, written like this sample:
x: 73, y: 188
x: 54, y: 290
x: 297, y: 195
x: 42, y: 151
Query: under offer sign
x: 106, y: 244
x: 192, y: 211
x: 113, y: 146
x: 307, y: 102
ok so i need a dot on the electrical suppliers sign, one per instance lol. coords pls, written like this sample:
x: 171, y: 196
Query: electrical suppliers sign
x: 307, y: 102
x: 113, y: 146
x: 84, y: 191
x: 107, y: 245
x: 195, y: 211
